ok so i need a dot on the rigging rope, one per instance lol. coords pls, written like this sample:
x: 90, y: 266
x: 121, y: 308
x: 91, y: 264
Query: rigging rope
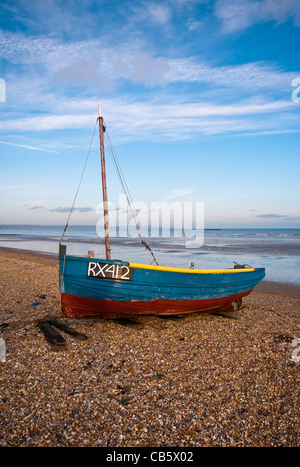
x: 123, y: 184
x: 126, y: 191
x: 78, y: 184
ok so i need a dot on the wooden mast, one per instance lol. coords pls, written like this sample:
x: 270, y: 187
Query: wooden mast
x: 104, y: 189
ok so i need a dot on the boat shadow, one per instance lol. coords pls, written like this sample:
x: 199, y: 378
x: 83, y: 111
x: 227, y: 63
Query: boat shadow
x: 127, y: 322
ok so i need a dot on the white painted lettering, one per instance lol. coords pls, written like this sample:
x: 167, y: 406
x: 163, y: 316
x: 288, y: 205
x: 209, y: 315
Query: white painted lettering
x: 125, y: 273
x: 111, y: 269
x: 91, y: 269
x: 101, y: 270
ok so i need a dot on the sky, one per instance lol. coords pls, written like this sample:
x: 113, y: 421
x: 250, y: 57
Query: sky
x: 201, y: 100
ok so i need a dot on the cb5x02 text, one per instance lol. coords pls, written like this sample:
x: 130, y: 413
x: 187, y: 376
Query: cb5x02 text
x: 155, y: 456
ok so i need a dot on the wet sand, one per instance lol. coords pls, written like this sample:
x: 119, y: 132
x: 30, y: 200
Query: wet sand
x: 199, y: 380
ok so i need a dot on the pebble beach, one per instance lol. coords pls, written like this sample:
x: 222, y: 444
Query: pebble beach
x: 200, y: 380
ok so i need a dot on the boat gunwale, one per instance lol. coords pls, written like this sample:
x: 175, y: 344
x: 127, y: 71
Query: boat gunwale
x: 153, y: 267
x: 188, y: 270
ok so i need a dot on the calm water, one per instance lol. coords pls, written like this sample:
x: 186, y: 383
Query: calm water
x: 278, y: 250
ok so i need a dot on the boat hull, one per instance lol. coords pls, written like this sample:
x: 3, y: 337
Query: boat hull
x: 92, y: 287
x: 76, y: 307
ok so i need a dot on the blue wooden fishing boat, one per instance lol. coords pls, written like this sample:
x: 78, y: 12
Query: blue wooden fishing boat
x: 113, y: 288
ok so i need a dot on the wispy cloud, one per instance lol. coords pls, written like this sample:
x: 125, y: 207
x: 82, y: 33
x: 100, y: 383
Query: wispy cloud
x: 237, y: 15
x: 178, y: 193
x: 28, y: 147
x: 51, y: 67
x: 271, y: 216
x: 256, y: 76
x: 277, y: 216
x: 99, y: 63
x: 36, y: 208
x: 68, y: 209
x: 48, y: 122
x: 158, y: 12
x: 61, y: 209
x: 131, y: 120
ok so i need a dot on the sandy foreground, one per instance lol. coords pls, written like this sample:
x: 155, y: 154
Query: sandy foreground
x: 197, y: 380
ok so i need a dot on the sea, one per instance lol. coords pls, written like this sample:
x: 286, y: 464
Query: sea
x: 277, y: 250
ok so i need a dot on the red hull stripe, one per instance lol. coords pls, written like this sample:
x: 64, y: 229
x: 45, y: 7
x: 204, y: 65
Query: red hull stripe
x: 76, y: 307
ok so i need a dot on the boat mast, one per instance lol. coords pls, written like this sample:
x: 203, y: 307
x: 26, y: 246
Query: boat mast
x: 104, y: 189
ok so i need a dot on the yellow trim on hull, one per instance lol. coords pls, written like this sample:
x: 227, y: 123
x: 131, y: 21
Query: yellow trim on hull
x: 186, y: 270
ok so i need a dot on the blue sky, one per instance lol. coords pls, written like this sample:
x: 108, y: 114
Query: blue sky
x: 196, y: 96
